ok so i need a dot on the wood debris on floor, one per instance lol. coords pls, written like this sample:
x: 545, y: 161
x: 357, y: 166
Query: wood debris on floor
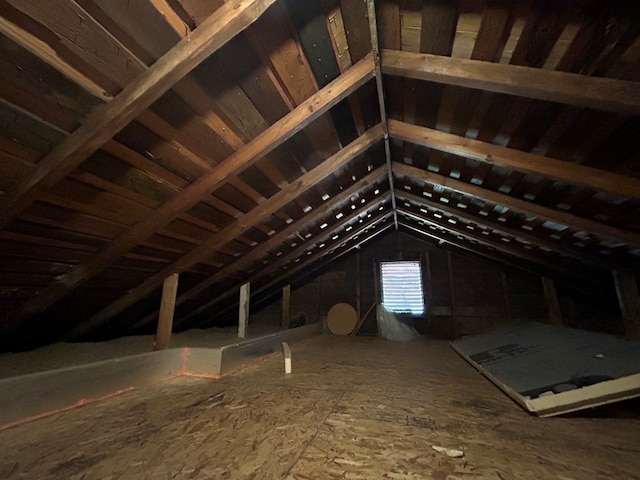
x: 353, y: 408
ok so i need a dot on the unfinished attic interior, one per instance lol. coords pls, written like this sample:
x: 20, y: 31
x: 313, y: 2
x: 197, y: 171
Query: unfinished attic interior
x: 210, y: 179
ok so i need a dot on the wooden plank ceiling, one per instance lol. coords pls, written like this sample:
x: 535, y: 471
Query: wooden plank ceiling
x: 258, y: 140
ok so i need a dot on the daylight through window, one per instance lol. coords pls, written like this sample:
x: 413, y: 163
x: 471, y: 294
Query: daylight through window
x: 402, y: 287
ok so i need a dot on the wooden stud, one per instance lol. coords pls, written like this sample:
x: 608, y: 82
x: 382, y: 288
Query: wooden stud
x: 618, y: 96
x: 286, y: 306
x: 505, y: 292
x: 358, y: 293
x: 629, y: 299
x: 243, y: 313
x: 452, y: 291
x: 553, y: 302
x: 165, y: 317
x: 594, y: 178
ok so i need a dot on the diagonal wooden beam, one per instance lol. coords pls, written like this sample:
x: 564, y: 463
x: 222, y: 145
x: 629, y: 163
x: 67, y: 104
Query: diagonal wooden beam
x: 108, y: 119
x: 273, y: 241
x: 619, y: 96
x: 302, y: 265
x: 498, y: 227
x: 523, y: 206
x: 479, y: 254
x: 268, y: 140
x: 215, y: 241
x: 502, y: 247
x: 592, y: 178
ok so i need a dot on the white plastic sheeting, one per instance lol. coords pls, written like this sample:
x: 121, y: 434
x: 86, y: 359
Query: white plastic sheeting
x: 390, y: 328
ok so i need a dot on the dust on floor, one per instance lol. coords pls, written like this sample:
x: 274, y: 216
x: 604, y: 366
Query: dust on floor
x: 353, y: 408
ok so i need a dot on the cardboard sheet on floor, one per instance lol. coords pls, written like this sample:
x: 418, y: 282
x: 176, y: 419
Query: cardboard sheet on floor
x: 550, y: 370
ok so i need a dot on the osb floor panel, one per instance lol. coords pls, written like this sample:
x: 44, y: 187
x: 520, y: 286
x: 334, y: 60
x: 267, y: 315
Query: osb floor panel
x: 353, y: 408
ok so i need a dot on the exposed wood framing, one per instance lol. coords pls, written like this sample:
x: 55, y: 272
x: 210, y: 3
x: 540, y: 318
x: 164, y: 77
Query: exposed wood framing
x: 286, y: 306
x: 297, y: 253
x: 108, y: 119
x: 499, y: 227
x: 629, y: 299
x: 309, y: 266
x: 215, y: 241
x: 503, y: 247
x: 275, y: 240
x: 452, y: 293
x: 200, y: 189
x: 519, y: 205
x: 167, y: 307
x: 553, y: 302
x: 594, y: 92
x: 375, y: 49
x: 593, y: 178
x: 243, y: 313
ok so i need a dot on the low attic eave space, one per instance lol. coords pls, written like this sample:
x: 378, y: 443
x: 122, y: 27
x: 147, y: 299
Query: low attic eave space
x: 261, y: 141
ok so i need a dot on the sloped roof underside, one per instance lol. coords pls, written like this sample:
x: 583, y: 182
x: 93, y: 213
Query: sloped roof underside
x: 258, y: 140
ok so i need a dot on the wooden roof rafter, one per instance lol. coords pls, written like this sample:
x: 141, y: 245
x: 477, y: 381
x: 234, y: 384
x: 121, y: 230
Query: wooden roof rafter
x: 503, y: 247
x: 108, y: 119
x: 328, y: 207
x: 206, y: 248
x: 200, y: 189
x: 523, y: 206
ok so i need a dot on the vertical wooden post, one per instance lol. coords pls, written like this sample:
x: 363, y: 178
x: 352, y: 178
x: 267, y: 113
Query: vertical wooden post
x: 505, y: 292
x: 167, y: 307
x: 452, y: 293
x: 358, y: 306
x: 286, y: 306
x: 629, y: 300
x: 243, y: 314
x: 427, y: 262
x: 553, y: 303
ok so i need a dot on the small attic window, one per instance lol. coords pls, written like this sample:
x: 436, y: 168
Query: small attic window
x: 402, y: 290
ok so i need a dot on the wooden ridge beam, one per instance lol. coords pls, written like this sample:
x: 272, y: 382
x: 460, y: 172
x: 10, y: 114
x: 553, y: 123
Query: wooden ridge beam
x: 291, y: 255
x: 272, y: 242
x: 375, y: 50
x: 498, y: 227
x: 523, y: 206
x: 620, y: 96
x: 588, y: 177
x: 108, y: 119
x: 268, y: 140
x: 215, y: 241
x: 502, y: 247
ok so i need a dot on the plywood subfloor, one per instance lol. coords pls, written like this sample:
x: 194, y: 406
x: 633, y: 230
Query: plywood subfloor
x: 353, y: 408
